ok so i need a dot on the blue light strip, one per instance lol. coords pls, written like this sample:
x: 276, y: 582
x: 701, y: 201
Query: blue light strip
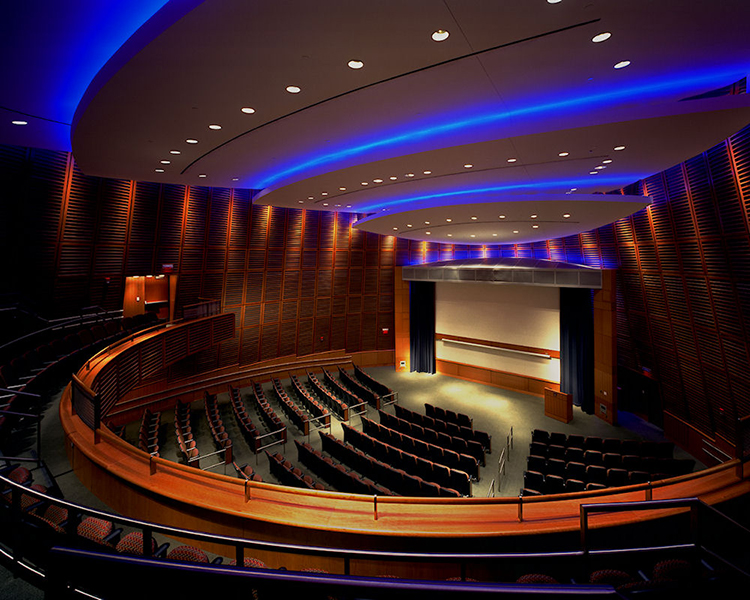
x: 608, y: 99
x: 561, y: 185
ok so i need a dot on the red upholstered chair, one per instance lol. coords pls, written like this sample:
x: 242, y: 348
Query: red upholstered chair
x: 97, y: 530
x: 188, y: 554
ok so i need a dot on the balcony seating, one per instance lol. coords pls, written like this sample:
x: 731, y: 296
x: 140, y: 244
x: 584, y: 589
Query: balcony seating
x: 315, y: 408
x: 184, y: 435
x: 296, y: 415
x: 338, y: 406
x: 248, y: 429
x: 216, y: 425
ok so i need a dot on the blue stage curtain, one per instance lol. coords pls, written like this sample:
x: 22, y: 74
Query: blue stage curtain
x: 422, y: 326
x: 577, y: 346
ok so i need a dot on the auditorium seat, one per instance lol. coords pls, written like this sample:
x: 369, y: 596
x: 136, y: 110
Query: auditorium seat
x: 188, y: 554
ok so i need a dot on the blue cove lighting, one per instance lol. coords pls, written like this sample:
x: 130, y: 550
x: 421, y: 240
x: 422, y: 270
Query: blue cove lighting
x: 479, y: 118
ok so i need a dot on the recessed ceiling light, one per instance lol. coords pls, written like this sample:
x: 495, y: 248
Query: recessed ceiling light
x: 563, y: 153
x: 618, y: 148
x: 601, y: 37
x: 535, y: 226
x: 515, y: 231
x: 448, y: 220
x: 310, y: 197
x: 553, y: 1
x: 19, y: 122
x: 426, y: 222
x: 512, y: 160
x: 355, y: 64
x: 450, y: 235
x: 202, y: 175
x: 440, y: 35
x: 501, y: 217
x: 408, y: 225
x: 395, y: 229
x: 494, y: 235
x: 593, y: 172
x: 393, y: 178
x: 427, y: 172
x: 174, y: 152
x: 301, y: 201
x: 293, y: 89
x: 247, y: 110
x: 323, y: 193
x: 600, y: 167
x: 235, y: 178
x: 348, y: 206
x: 428, y: 232
x: 473, y: 218
x: 534, y: 216
x: 606, y: 162
x: 165, y: 162
x: 410, y: 174
x: 159, y: 170
x: 472, y: 235
x: 343, y: 189
x: 468, y: 166
x: 622, y: 64
x: 566, y: 216
x: 573, y: 189
x: 365, y: 183
x: 377, y: 180
x: 191, y: 141
x: 214, y: 126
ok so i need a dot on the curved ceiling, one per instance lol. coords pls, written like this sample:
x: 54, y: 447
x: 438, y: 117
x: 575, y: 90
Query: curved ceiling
x: 518, y: 112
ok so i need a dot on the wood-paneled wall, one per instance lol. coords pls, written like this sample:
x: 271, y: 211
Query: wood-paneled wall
x: 303, y: 281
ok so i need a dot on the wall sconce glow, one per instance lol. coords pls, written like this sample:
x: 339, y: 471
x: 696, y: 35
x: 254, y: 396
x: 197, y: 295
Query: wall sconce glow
x: 293, y: 89
x: 355, y: 64
x: 440, y: 35
x: 247, y: 110
x: 622, y: 64
x: 601, y: 37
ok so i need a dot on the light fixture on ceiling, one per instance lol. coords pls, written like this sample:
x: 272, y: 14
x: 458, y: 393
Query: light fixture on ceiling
x: 566, y: 216
x: 175, y: 152
x: 235, y: 178
x: 214, y: 127
x: 410, y: 174
x: 606, y: 162
x: 534, y: 216
x: 393, y: 178
x: 355, y: 64
x: 450, y: 235
x: 426, y: 222
x: 515, y: 231
x: 377, y: 181
x: 440, y: 35
x: 622, y: 64
x: 501, y: 217
x: 408, y: 224
x: 427, y: 172
x: 535, y: 226
x: 468, y: 166
x: 600, y: 167
x: 19, y: 122
x: 159, y: 170
x: 365, y: 183
x: 512, y: 160
x: 593, y: 172
x: 323, y: 193
x: 494, y: 235
x: 166, y: 162
x: 191, y: 141
x: 473, y: 218
x: 293, y: 89
x: 428, y: 232
x: 472, y: 235
x: 449, y: 220
x: 343, y: 189
x: 202, y: 175
x: 601, y: 37
x: 310, y: 197
x: 618, y: 148
x: 247, y: 110
x: 325, y: 203
x: 395, y: 229
x: 563, y: 153
x: 553, y: 1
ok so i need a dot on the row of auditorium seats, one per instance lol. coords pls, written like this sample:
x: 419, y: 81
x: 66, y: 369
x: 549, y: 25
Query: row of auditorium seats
x: 148, y: 433
x: 290, y: 475
x: 474, y: 438
x: 450, y: 416
x: 338, y: 406
x: 431, y: 436
x: 410, y: 463
x: 336, y: 473
x: 183, y: 431
x: 610, y: 460
x: 30, y: 371
x: 391, y: 478
x: 357, y: 388
x: 296, y: 415
x: 367, y: 380
x: 633, y: 447
x: 434, y: 452
x: 248, y: 429
x: 315, y: 408
x: 352, y: 400
x: 219, y: 433
x: 247, y: 472
x: 272, y: 421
